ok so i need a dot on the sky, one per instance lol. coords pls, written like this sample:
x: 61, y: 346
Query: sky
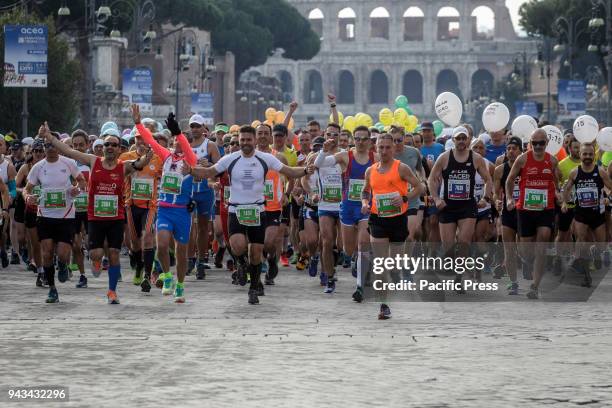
x: 514, y: 5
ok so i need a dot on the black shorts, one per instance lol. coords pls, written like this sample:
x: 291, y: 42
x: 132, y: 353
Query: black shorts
x: 296, y: 209
x: 484, y: 215
x: 453, y: 215
x: 255, y: 235
x: 301, y: 221
x: 56, y: 229
x: 217, y: 207
x: 110, y: 231
x: 19, y: 209
x: 30, y: 219
x: 273, y: 218
x: 412, y: 211
x: 286, y: 214
x: 509, y: 219
x: 565, y: 219
x: 594, y: 219
x: 530, y: 221
x: 80, y: 222
x: 140, y: 219
x: 393, y: 228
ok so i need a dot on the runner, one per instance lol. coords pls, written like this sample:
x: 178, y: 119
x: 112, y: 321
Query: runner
x: 56, y: 209
x: 310, y: 212
x: 17, y: 230
x: 389, y: 186
x: 247, y: 172
x: 7, y: 175
x: 430, y: 150
x: 536, y: 216
x: 105, y: 208
x: 564, y: 230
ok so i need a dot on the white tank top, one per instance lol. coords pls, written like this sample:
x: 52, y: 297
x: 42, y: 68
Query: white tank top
x: 330, y: 188
x: 201, y: 152
x: 4, y: 170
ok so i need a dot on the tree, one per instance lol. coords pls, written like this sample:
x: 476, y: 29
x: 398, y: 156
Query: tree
x: 58, y: 102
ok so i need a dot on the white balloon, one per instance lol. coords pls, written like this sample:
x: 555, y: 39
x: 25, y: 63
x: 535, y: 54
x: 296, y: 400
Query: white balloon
x: 495, y: 117
x: 586, y: 129
x: 450, y: 144
x: 523, y: 126
x: 604, y: 139
x: 555, y: 139
x: 449, y: 108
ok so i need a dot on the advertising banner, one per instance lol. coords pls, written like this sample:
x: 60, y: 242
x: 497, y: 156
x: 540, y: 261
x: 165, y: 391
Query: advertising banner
x: 203, y: 104
x: 571, y: 100
x: 526, y: 108
x: 138, y: 88
x: 25, y: 56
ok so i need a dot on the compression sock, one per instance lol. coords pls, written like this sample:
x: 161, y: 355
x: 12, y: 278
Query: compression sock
x: 113, y: 276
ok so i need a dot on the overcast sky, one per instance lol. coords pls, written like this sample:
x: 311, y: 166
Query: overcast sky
x: 514, y: 5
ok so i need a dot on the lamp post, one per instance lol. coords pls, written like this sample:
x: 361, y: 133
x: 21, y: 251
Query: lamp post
x: 595, y: 24
x: 594, y: 78
x: 544, y: 60
x: 571, y: 30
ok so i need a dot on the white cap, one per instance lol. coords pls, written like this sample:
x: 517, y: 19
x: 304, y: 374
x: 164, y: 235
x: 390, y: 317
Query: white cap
x: 98, y: 142
x: 196, y: 119
x: 28, y: 141
x: 460, y: 130
x: 450, y: 144
x: 485, y: 138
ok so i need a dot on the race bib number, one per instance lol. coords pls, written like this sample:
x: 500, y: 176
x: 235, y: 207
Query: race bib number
x: 516, y: 192
x: 269, y: 190
x: 249, y: 215
x: 81, y: 201
x: 588, y: 197
x: 142, y: 188
x: 226, y: 193
x: 458, y: 189
x: 106, y: 205
x: 355, y: 189
x: 36, y: 190
x: 172, y: 183
x: 332, y: 193
x: 54, y: 198
x: 535, y: 199
x: 384, y: 205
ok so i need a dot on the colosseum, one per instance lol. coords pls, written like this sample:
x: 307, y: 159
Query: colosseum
x: 373, y: 50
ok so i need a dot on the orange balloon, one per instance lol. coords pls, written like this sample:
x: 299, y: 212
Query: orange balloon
x: 279, y: 117
x: 234, y: 129
x: 270, y: 112
x: 269, y: 122
x: 291, y: 124
x: 255, y: 123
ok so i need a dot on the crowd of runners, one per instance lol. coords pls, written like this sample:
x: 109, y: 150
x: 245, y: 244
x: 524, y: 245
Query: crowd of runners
x: 246, y: 199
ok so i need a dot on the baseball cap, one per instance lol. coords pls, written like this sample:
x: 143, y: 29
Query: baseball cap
x: 196, y: 119
x: 111, y: 132
x: 124, y: 143
x: 427, y: 125
x: 221, y: 127
x: 28, y: 140
x: 485, y: 138
x: 108, y: 125
x: 38, y: 143
x: 98, y: 142
x: 16, y: 145
x: 459, y: 130
x: 515, y: 140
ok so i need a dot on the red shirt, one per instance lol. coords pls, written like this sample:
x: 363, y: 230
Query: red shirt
x: 106, y: 193
x: 537, y: 185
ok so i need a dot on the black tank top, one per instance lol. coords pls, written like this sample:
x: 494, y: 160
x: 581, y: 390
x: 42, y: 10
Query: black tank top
x: 589, y: 191
x: 459, y: 179
x: 515, y: 192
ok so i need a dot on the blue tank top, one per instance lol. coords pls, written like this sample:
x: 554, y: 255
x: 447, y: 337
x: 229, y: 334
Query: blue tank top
x: 201, y: 152
x: 353, y: 179
x: 174, y: 187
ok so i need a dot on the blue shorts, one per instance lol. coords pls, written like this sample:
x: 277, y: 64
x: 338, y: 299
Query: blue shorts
x: 176, y: 220
x: 204, y: 203
x: 350, y: 214
x: 325, y: 213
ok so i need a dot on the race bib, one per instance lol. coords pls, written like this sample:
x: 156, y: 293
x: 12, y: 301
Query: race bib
x: 54, y: 198
x: 516, y: 192
x: 106, y: 205
x: 81, y: 201
x: 535, y: 199
x: 269, y: 190
x: 249, y: 215
x: 588, y: 197
x: 355, y: 188
x: 384, y: 205
x: 172, y: 182
x: 142, y: 188
x: 226, y: 193
x: 458, y: 189
x: 332, y: 193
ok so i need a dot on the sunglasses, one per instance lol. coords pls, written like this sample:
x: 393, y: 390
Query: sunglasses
x: 234, y: 143
x: 195, y: 126
x: 330, y: 134
x: 540, y: 143
x: 110, y: 144
x: 362, y: 139
x: 398, y: 141
x: 462, y: 137
x: 38, y: 150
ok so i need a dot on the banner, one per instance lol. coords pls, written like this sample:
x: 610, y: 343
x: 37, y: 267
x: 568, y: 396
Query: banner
x: 138, y: 88
x: 571, y: 101
x: 526, y: 108
x: 203, y: 104
x: 25, y: 56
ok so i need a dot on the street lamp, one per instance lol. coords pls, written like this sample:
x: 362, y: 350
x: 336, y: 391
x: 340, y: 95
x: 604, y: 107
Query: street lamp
x: 595, y: 24
x: 568, y: 28
x: 544, y: 60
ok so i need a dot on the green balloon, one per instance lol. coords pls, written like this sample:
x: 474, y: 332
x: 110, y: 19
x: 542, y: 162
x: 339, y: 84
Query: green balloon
x: 408, y: 110
x: 379, y: 126
x: 401, y: 101
x: 438, y: 127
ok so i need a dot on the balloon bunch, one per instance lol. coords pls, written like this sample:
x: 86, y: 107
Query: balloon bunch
x: 273, y: 117
x: 402, y: 116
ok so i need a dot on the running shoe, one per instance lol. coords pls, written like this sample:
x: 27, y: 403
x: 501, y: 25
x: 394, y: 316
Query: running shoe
x: 596, y: 258
x: 53, y: 296
x: 273, y: 269
x: 32, y: 267
x: 62, y: 272
x: 253, y: 299
x: 137, y: 280
x: 331, y: 286
x: 179, y: 294
x: 96, y: 269
x: 323, y: 279
x: 313, y: 266
x: 242, y: 275
x: 260, y: 289
x: 145, y: 286
x: 23, y: 252
x: 385, y: 312
x: 294, y: 258
x: 82, y: 282
x: 168, y: 280
x: 513, y: 289
x: 201, y: 270
x: 229, y: 265
x: 4, y: 258
x: 358, y: 295
x: 284, y: 260
x: 112, y: 298
x: 346, y: 263
x: 268, y: 280
x: 533, y: 293
x: 44, y: 280
x: 39, y: 282
x: 301, y: 263
x: 14, y: 258
x: 157, y: 267
x: 219, y: 257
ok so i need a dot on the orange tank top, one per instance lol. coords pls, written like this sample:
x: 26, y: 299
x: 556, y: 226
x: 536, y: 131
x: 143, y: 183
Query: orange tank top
x: 273, y: 191
x: 386, y: 186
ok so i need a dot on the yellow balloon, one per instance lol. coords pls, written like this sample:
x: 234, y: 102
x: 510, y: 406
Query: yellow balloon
x: 340, y: 118
x: 400, y: 115
x: 366, y: 120
x: 269, y: 122
x: 411, y: 123
x: 291, y: 124
x: 385, y: 116
x: 279, y: 117
x: 255, y: 123
x: 270, y: 112
x: 350, y: 123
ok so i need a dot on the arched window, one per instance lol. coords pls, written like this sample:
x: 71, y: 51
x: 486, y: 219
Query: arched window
x: 448, y: 24
x: 447, y: 81
x: 346, y: 87
x: 379, y: 87
x: 346, y: 24
x: 412, y: 86
x: 316, y: 21
x: 413, y: 24
x: 379, y: 23
x: 483, y: 23
x: 286, y: 84
x: 482, y: 83
x: 313, y: 88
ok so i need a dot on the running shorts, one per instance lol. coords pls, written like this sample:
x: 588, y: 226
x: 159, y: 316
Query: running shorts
x: 56, y: 229
x: 177, y: 220
x: 530, y: 221
x: 393, y: 228
x: 110, y: 231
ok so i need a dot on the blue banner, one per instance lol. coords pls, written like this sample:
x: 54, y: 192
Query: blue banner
x: 25, y: 56
x: 526, y: 108
x: 138, y: 88
x: 203, y: 104
x: 571, y: 101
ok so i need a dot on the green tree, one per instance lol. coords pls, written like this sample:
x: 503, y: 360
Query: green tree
x: 58, y: 102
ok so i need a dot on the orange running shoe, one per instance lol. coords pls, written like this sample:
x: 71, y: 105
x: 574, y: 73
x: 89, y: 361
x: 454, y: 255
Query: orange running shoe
x: 111, y: 295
